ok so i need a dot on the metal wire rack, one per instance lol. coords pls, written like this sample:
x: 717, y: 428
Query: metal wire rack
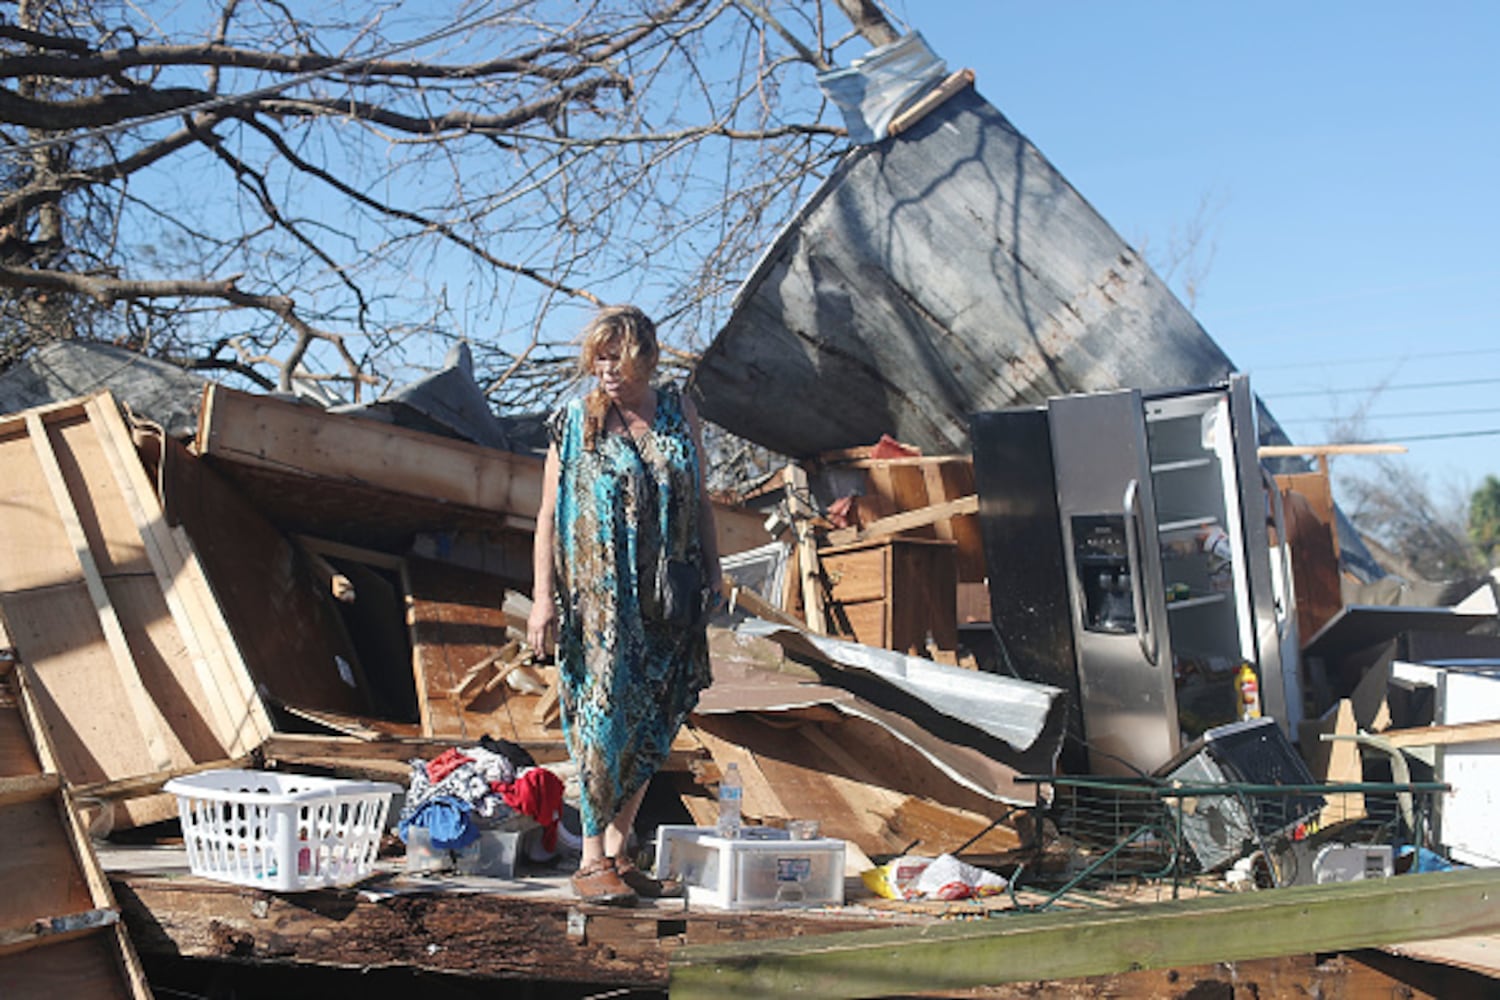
x: 1095, y: 835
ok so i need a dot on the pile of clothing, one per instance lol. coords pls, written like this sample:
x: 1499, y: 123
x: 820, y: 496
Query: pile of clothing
x: 466, y: 790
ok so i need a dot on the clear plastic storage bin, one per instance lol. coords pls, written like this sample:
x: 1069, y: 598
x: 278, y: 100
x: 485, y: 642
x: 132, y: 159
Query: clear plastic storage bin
x: 283, y: 832
x: 751, y: 873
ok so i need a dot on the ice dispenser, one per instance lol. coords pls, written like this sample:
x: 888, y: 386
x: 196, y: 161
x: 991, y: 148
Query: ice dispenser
x: 1101, y: 561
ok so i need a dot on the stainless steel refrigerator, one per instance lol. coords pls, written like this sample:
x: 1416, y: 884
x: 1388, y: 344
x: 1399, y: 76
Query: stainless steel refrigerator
x: 1126, y: 536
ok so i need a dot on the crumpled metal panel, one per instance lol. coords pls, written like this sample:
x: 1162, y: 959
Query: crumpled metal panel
x: 945, y: 271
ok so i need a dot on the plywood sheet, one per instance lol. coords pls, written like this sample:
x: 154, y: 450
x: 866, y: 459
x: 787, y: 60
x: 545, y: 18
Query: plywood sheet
x: 290, y: 639
x: 123, y: 684
x: 457, y: 621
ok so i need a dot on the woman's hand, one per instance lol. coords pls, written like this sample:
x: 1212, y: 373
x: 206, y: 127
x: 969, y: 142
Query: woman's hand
x: 541, y: 627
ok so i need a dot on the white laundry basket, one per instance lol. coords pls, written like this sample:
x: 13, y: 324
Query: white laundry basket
x: 283, y: 832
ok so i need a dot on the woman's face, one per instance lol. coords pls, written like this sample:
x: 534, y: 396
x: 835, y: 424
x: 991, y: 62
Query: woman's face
x: 619, y: 382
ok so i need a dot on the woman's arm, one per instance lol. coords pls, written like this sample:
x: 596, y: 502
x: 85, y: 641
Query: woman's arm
x: 708, y: 537
x: 541, y: 624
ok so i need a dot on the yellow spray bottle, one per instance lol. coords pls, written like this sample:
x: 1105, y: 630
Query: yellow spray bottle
x: 1247, y: 692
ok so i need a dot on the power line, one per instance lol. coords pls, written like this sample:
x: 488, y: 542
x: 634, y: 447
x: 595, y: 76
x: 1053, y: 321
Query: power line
x: 1423, y: 356
x: 1394, y: 416
x: 1407, y: 438
x: 1380, y: 388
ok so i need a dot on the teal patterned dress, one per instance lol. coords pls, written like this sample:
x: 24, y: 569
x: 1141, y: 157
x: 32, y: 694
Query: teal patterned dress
x: 627, y: 681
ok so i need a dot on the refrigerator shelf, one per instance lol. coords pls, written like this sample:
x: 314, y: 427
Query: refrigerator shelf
x: 1187, y: 463
x: 1186, y: 524
x: 1194, y: 602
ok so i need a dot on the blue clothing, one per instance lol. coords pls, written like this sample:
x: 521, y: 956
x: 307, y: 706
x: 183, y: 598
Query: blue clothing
x: 449, y: 823
x: 628, y: 681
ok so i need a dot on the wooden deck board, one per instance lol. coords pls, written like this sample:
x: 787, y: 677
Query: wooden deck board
x: 49, y: 872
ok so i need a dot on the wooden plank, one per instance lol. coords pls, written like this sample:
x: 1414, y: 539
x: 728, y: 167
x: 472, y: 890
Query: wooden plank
x: 55, y: 929
x: 906, y: 521
x: 547, y: 712
x: 1443, y: 736
x: 457, y: 621
x: 28, y: 787
x: 738, y: 528
x: 860, y: 782
x: 284, y: 437
x: 476, y: 678
x: 150, y: 784
x: 1296, y: 450
x: 86, y: 967
x: 1311, y: 526
x: 150, y: 725
x: 1334, y: 760
x: 1048, y: 947
x: 240, y: 719
x: 958, y: 481
x: 924, y: 105
x: 57, y: 912
x: 535, y: 936
x: 757, y: 605
x: 795, y: 480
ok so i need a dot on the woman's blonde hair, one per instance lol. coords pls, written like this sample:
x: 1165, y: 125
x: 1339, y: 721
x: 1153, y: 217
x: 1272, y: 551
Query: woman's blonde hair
x: 633, y: 330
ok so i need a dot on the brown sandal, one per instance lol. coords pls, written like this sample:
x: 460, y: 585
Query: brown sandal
x: 645, y: 885
x: 598, y: 882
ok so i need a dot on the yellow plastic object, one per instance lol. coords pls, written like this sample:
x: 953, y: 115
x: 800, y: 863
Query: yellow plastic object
x: 1247, y: 692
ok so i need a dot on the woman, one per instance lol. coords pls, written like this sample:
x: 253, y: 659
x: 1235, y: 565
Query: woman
x: 622, y: 493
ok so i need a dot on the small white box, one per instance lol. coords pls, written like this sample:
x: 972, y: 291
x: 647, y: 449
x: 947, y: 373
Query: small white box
x: 751, y: 873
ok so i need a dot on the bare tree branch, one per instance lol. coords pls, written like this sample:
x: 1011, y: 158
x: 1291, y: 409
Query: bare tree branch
x: 272, y: 189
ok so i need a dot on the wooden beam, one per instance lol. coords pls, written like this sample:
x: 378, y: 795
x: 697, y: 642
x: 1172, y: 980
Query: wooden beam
x: 150, y: 724
x: 757, y: 605
x: 267, y: 433
x: 906, y: 520
x: 27, y: 788
x: 1323, y: 450
x: 473, y: 680
x: 1048, y: 947
x: 150, y: 784
x: 956, y: 81
x: 239, y: 716
x: 60, y: 831
x: 292, y: 747
x: 795, y: 481
x: 1443, y: 736
x: 47, y: 930
x: 540, y: 934
x: 859, y: 458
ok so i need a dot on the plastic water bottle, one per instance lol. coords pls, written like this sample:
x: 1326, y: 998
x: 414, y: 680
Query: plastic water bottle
x: 730, y: 792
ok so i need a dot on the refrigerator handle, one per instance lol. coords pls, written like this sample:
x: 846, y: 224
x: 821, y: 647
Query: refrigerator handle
x: 1144, y: 632
x: 1283, y: 550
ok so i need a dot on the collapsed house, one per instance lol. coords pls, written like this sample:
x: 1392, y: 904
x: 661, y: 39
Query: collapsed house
x: 244, y: 578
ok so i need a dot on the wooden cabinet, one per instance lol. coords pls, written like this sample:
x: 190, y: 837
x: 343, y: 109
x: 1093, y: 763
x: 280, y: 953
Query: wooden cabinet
x: 894, y: 592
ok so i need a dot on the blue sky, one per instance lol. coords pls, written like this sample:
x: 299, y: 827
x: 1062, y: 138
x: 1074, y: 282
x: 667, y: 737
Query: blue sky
x: 1344, y: 162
